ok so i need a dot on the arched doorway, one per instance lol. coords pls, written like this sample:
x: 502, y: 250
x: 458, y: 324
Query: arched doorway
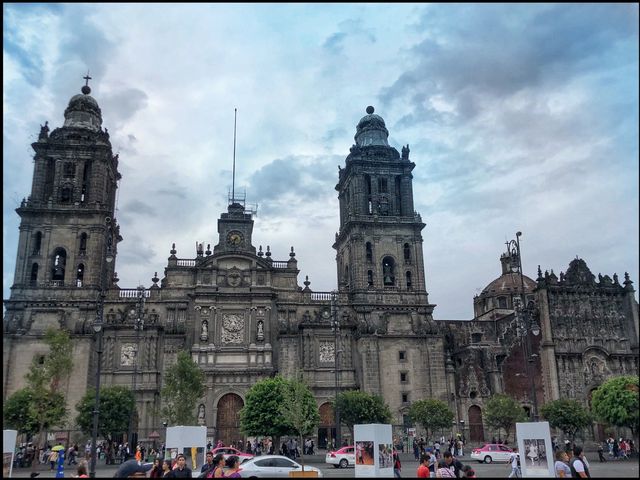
x: 228, y: 418
x: 326, y: 429
x: 476, y: 430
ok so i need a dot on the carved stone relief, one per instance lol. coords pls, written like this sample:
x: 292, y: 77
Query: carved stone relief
x: 327, y: 352
x: 232, y: 328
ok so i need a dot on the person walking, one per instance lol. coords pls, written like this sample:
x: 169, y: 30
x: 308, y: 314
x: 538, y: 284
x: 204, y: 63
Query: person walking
x: 166, y: 468
x: 233, y: 467
x: 416, y: 451
x: 218, y: 467
x: 156, y: 470
x: 181, y: 471
x: 423, y: 468
x: 397, y: 466
x: 514, y: 460
x: 208, y: 465
x: 601, y: 456
x: 579, y: 464
x: 561, y: 467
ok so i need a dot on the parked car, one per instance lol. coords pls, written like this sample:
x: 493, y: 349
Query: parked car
x: 491, y: 452
x: 272, y: 466
x: 342, y: 458
x: 228, y: 451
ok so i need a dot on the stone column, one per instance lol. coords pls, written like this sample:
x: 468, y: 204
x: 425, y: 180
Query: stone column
x: 547, y: 350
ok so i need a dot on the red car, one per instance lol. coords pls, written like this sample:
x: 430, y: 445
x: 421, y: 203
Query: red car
x: 229, y: 451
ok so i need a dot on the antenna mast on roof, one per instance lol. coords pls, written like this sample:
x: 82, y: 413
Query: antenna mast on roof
x: 233, y: 182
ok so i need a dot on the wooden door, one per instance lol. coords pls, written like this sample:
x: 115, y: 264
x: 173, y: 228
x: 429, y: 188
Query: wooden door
x: 228, y: 418
x: 476, y: 429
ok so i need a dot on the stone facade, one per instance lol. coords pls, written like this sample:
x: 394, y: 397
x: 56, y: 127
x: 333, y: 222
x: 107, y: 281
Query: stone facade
x: 243, y: 316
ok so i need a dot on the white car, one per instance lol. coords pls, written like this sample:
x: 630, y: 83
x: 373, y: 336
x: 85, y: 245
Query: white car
x: 342, y: 458
x: 272, y: 466
x: 491, y: 452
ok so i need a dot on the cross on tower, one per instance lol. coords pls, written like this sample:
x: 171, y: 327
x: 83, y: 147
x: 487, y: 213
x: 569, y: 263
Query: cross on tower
x: 87, y: 78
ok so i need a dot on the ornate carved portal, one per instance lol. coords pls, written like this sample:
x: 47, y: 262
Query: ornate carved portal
x: 228, y: 421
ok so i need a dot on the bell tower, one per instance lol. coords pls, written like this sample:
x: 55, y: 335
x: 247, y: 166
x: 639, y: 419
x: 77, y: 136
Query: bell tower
x: 379, y: 245
x: 69, y: 215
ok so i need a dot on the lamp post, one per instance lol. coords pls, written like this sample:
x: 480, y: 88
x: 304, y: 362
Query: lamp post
x: 526, y: 323
x: 107, y: 258
x: 138, y: 326
x: 335, y: 325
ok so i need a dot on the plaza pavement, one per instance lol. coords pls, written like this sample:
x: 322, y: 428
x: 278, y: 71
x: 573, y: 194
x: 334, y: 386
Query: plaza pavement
x: 610, y: 469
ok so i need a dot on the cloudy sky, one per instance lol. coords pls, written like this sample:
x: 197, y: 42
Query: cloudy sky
x: 519, y: 117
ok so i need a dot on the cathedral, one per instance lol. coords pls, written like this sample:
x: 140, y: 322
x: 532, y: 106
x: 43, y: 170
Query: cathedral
x: 243, y: 316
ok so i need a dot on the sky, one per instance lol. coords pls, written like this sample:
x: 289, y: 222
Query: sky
x: 520, y: 117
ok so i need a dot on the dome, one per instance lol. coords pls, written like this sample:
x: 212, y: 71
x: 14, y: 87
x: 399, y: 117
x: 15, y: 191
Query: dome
x: 508, y: 283
x: 371, y: 130
x: 83, y: 112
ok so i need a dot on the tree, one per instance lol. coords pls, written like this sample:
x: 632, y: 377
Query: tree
x: 183, y: 387
x: 431, y: 414
x: 262, y: 413
x: 358, y: 407
x: 117, y: 404
x: 616, y: 402
x: 19, y: 414
x: 300, y: 409
x: 567, y: 415
x: 502, y: 412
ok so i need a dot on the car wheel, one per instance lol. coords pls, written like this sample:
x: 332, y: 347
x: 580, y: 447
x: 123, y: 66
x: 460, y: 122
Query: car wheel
x: 488, y: 459
x: 344, y: 463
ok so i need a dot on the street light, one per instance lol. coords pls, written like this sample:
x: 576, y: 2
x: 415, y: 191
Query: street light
x: 138, y: 326
x: 335, y: 326
x: 526, y: 322
x: 107, y: 258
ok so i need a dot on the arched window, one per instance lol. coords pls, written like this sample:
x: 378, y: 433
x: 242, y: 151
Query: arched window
x: 37, y: 243
x: 80, y: 275
x: 346, y: 274
x: 369, y: 252
x: 85, y: 183
x: 58, y: 266
x: 408, y: 276
x: 367, y: 182
x: 407, y: 253
x: 370, y: 278
x: 34, y: 274
x: 83, y: 244
x: 388, y: 271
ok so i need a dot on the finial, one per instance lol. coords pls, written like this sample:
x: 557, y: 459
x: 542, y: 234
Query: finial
x: 115, y: 277
x: 306, y: 281
x: 155, y: 278
x: 539, y: 273
x: 86, y: 89
x: 292, y: 254
x: 260, y: 252
x: 268, y: 254
x: 370, y: 109
x: 208, y: 252
x: 173, y: 249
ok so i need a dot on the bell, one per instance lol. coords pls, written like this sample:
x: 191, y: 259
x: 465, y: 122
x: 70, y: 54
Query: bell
x: 388, y: 280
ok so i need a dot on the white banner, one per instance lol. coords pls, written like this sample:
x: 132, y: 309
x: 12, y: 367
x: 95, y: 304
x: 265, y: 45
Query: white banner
x: 536, y: 450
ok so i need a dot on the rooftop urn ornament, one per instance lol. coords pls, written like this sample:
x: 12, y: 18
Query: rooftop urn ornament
x: 155, y: 278
x: 173, y: 250
x: 260, y: 252
x: 370, y: 109
x: 208, y: 252
x: 268, y: 253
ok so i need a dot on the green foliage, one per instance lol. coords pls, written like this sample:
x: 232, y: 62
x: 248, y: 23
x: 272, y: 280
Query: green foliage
x: 300, y: 409
x: 502, y: 412
x: 183, y: 387
x: 358, y: 407
x: 57, y: 363
x: 117, y: 404
x: 20, y: 411
x: 616, y: 402
x: 567, y: 415
x: 262, y: 413
x: 431, y: 414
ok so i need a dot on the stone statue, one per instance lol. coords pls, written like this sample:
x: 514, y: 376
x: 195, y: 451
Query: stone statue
x: 260, y: 330
x: 201, y: 414
x: 44, y: 131
x: 204, y: 333
x: 405, y: 152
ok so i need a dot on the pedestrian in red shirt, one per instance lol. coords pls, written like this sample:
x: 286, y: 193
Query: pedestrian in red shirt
x: 423, y: 469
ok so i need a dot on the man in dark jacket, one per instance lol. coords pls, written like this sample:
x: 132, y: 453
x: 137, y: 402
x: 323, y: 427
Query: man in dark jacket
x: 208, y: 465
x: 452, y: 461
x: 181, y: 471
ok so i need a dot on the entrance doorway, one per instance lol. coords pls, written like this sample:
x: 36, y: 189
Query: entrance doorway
x: 228, y: 418
x: 476, y: 429
x: 326, y: 429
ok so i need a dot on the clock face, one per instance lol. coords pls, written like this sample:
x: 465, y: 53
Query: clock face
x: 326, y: 313
x: 235, y: 238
